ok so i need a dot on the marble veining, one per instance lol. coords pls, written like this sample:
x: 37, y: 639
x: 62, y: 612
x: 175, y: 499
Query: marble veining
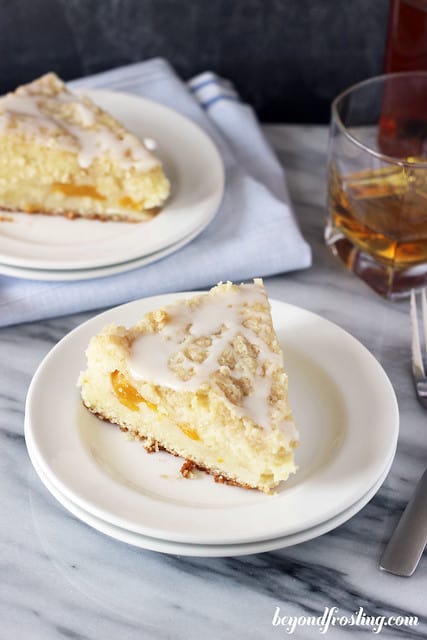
x: 61, y: 579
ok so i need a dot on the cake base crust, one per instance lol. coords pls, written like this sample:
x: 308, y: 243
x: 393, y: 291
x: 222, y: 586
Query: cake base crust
x: 188, y: 466
x: 147, y: 214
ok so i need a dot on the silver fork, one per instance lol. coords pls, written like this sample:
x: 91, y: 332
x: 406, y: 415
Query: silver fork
x: 419, y: 337
x: 406, y: 545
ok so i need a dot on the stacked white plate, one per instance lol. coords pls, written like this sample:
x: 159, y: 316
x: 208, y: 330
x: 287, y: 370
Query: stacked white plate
x: 41, y: 247
x: 347, y: 415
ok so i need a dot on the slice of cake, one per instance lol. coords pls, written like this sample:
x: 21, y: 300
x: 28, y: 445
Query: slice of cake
x: 61, y: 154
x: 202, y: 378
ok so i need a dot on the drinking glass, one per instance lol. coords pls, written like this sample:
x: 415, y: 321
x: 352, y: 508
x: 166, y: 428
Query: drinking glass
x: 377, y: 182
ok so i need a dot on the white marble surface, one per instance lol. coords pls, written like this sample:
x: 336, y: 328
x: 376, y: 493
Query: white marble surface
x: 61, y: 579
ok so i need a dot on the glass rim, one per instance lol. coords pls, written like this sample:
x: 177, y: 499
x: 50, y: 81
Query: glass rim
x: 377, y: 154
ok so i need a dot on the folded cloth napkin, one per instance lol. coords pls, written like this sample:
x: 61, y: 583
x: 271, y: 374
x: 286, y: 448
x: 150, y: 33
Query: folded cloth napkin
x: 254, y: 233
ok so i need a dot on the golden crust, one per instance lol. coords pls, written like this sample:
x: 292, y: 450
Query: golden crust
x: 73, y: 215
x: 188, y: 466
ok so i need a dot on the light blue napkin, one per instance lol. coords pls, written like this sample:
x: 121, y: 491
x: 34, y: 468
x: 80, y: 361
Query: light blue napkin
x: 255, y: 232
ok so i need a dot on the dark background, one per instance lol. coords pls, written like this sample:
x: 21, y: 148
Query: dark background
x: 288, y: 58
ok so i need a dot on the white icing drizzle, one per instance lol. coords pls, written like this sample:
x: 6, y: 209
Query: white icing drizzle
x: 152, y: 353
x: 37, y: 113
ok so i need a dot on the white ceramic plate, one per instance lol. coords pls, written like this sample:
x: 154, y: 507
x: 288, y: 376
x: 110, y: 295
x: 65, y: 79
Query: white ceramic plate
x: 193, y: 165
x: 343, y: 402
x: 52, y: 275
x: 201, y: 550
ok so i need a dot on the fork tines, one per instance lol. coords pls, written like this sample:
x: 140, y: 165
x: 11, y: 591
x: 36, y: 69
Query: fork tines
x: 419, y: 344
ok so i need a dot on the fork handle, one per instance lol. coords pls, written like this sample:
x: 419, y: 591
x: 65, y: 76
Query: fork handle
x: 406, y: 545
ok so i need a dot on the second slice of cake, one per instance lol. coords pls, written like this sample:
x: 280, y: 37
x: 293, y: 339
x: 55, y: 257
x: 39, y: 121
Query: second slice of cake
x: 60, y: 154
x: 202, y: 378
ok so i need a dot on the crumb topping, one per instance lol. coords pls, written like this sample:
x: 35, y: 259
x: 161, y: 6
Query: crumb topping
x: 46, y: 111
x: 223, y: 339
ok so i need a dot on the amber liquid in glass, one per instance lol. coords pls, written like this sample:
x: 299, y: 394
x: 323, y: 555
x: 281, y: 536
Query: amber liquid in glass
x: 383, y: 212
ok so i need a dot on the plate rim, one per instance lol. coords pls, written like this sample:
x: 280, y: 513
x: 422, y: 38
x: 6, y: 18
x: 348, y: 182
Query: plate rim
x: 209, y: 550
x: 69, y: 275
x: 99, y: 320
x: 199, y: 221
